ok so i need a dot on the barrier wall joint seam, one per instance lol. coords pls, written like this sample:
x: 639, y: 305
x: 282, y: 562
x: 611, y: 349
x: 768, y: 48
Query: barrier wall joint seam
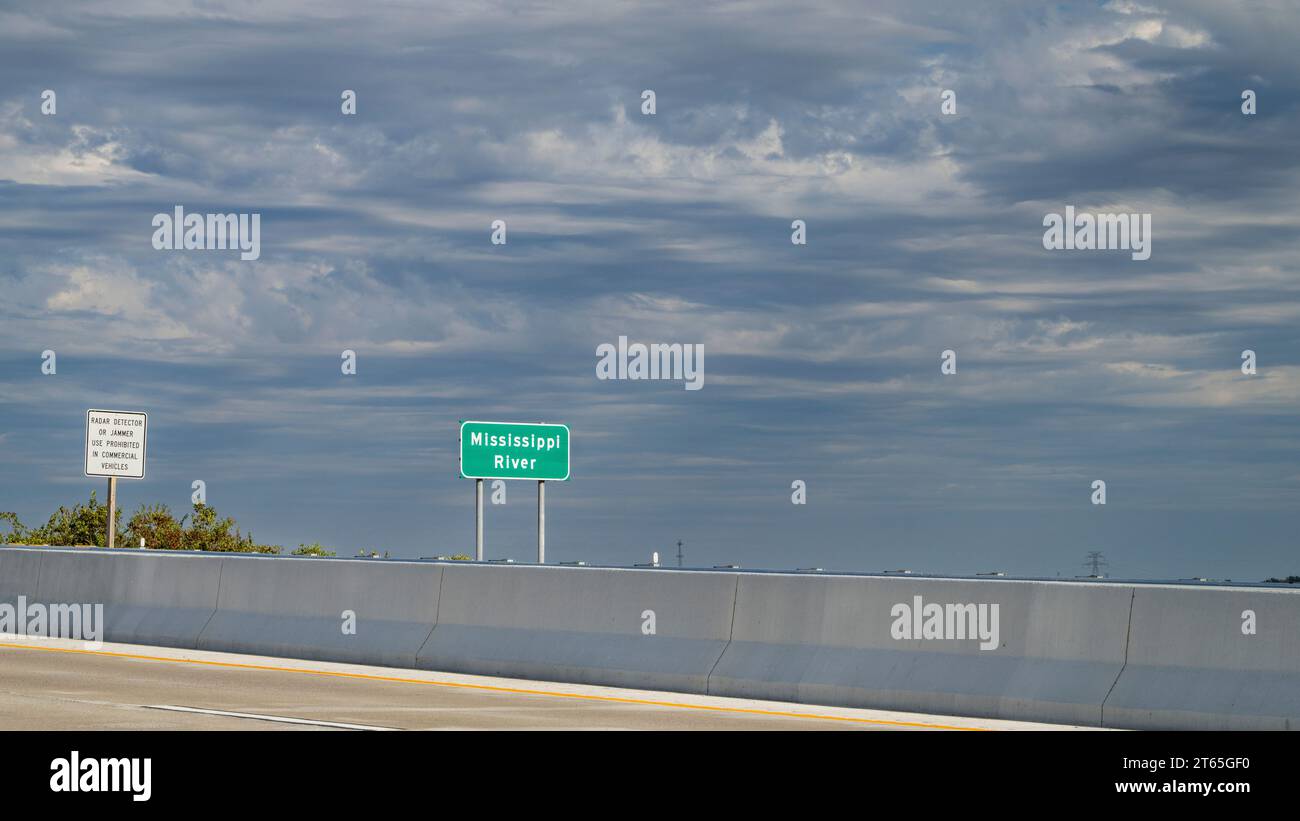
x: 437, y: 617
x: 731, y: 634
x: 216, y: 604
x: 1128, y: 634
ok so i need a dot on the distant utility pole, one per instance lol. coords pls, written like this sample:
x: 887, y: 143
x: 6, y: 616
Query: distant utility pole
x: 1096, y: 561
x: 679, y: 552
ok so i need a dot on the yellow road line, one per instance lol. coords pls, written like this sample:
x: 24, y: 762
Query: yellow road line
x: 492, y: 688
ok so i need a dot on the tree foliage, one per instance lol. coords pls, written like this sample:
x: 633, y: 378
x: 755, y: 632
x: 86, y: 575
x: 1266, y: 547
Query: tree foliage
x: 313, y: 549
x: 82, y: 524
x: 208, y: 532
x: 156, y: 525
x: 87, y: 525
x: 201, y: 529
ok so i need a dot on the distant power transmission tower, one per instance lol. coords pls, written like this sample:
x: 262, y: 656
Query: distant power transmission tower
x: 1096, y: 561
x: 679, y: 552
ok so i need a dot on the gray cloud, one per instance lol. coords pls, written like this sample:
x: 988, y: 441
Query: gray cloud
x: 925, y: 234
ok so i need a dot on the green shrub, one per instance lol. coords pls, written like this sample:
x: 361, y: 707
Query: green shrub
x: 81, y: 525
x: 313, y: 549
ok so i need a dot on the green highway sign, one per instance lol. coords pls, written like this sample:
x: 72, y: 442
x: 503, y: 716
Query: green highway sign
x: 514, y: 450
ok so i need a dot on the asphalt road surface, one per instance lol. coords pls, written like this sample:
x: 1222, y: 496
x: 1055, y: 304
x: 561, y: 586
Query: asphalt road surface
x: 61, y: 685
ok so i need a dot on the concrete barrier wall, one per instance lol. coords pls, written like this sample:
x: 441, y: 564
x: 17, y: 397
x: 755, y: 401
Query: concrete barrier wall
x: 19, y: 572
x: 147, y: 599
x: 828, y: 640
x: 582, y: 625
x: 1140, y: 656
x: 295, y: 608
x: 1190, y: 666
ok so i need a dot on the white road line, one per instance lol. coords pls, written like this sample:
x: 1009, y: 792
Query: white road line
x: 281, y: 719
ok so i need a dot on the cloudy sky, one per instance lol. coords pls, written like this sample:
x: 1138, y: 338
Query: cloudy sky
x: 822, y: 361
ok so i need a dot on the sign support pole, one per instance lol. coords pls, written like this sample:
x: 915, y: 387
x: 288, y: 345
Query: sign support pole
x: 478, y: 520
x: 112, y: 509
x: 541, y: 522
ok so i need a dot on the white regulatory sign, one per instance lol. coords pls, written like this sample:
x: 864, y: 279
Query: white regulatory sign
x: 115, y: 443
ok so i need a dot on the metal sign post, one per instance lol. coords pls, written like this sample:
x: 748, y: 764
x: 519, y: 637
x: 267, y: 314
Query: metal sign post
x: 112, y: 509
x: 478, y: 520
x: 541, y: 522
